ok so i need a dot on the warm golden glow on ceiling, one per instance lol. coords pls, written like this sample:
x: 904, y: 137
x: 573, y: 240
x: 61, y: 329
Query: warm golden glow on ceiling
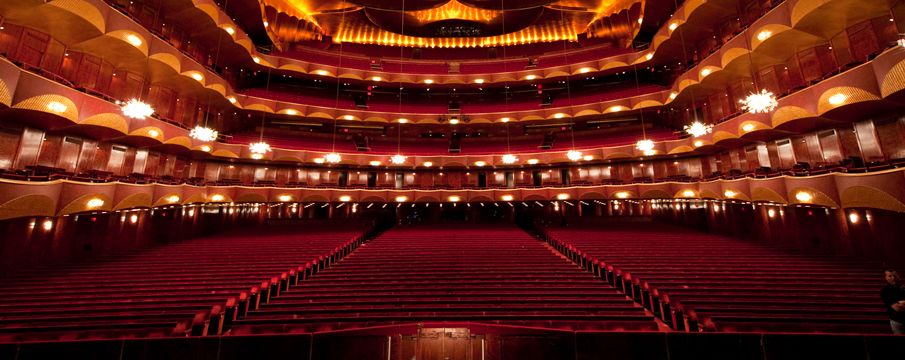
x: 454, y: 10
x: 367, y: 34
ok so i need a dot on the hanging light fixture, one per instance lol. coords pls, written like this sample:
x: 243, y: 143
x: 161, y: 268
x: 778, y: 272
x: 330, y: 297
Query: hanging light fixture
x: 203, y: 133
x: 645, y: 146
x: 509, y: 159
x: 757, y: 102
x: 574, y: 155
x: 698, y: 128
x: 137, y: 109
x: 333, y: 157
x: 258, y: 149
x: 398, y: 159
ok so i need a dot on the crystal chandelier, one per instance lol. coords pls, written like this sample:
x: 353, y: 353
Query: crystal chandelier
x: 398, y: 159
x: 203, y: 133
x: 645, y: 145
x: 574, y: 155
x: 259, y: 147
x: 698, y: 128
x: 762, y: 102
x: 137, y: 109
x: 509, y: 159
x: 333, y: 158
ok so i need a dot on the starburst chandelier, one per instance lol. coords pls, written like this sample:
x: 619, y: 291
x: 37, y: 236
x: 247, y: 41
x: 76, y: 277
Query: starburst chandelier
x: 203, y: 133
x: 509, y: 159
x: 137, y: 109
x: 259, y: 147
x: 762, y: 102
x: 698, y: 128
x: 645, y: 145
x: 398, y: 159
x: 574, y: 155
x: 333, y: 158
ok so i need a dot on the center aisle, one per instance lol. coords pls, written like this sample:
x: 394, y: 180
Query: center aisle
x: 489, y: 274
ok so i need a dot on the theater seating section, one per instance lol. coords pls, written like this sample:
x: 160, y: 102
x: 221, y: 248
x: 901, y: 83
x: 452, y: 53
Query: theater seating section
x: 147, y: 293
x: 703, y: 282
x: 496, y: 274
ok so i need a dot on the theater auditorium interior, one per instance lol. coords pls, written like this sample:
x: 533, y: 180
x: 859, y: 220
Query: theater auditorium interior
x: 452, y: 179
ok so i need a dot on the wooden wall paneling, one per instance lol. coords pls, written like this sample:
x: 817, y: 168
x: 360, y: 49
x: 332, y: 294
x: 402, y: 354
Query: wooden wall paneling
x: 32, y: 47
x: 86, y: 155
x: 868, y: 142
x: 829, y: 143
x: 786, y: 153
x: 891, y: 135
x: 116, y: 163
x: 9, y: 146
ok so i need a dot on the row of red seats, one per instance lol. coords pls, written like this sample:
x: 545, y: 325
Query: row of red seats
x: 495, y: 275
x: 156, y: 292
x: 704, y: 282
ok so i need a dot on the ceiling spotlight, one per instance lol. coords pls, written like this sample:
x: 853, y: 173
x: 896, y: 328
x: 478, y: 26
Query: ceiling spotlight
x: 509, y: 159
x: 321, y: 72
x: 698, y: 143
x: 232, y: 99
x: 206, y: 148
x: 533, y: 161
x: 673, y: 26
x: 398, y: 159
x: 348, y: 117
x: 698, y: 128
x: 837, y: 99
x: 585, y: 70
x: 57, y: 107
x: 729, y: 194
x: 172, y: 199
x: 530, y: 77
x: 203, y: 133
x: 197, y: 76
x: 453, y: 121
x: 622, y: 194
x: 804, y: 196
x: 762, y: 102
x: 402, y: 198
x: 478, y: 81
x: 559, y: 115
x: 153, y: 133
x: 505, y: 120
x: 617, y: 108
x: 748, y: 127
x: 345, y: 198
x: 672, y: 95
x: 706, y: 72
x: 95, y: 203
x: 134, y: 40
x: 217, y: 197
x: 292, y: 112
x: 574, y: 155
x: 764, y: 35
x: 374, y: 163
x: 688, y: 193
x: 333, y: 158
x: 403, y: 120
x: 479, y: 163
x: 588, y: 157
x: 507, y: 197
x: 428, y: 81
x: 454, y: 198
x: 318, y: 160
x: 285, y: 198
x: 562, y: 196
x: 649, y: 56
x: 427, y: 164
x: 376, y: 78
x: 256, y: 59
x: 230, y: 30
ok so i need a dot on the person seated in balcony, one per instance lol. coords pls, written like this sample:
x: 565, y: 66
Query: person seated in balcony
x: 893, y: 295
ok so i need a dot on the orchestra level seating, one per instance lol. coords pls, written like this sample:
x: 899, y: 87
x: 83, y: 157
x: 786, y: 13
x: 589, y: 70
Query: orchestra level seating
x: 145, y: 293
x: 482, y: 274
x: 707, y: 282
